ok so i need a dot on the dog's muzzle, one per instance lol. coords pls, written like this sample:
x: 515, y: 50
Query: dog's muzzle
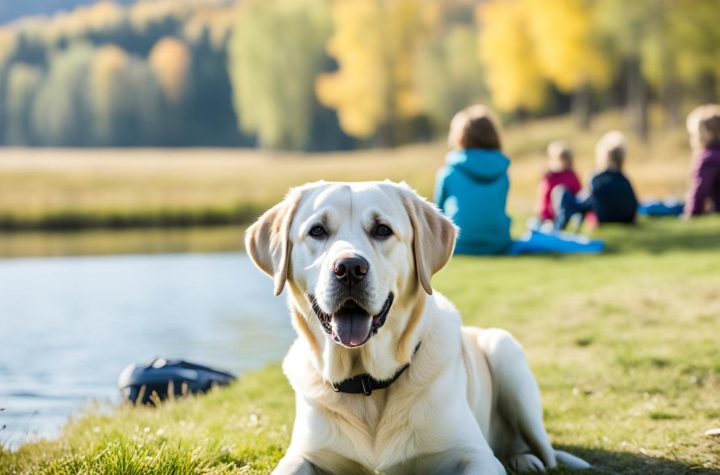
x: 351, y: 325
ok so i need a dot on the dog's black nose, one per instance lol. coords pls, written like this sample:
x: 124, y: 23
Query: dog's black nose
x: 350, y: 269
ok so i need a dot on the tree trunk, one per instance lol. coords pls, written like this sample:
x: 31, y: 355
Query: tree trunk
x: 637, y: 99
x: 708, y: 87
x: 521, y: 115
x: 385, y: 135
x: 582, y: 106
x: 672, y: 104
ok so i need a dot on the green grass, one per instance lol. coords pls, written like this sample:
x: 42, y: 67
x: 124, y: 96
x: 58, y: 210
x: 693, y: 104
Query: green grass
x: 624, y: 346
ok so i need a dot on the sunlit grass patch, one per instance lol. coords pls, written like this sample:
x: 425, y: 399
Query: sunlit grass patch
x: 244, y: 427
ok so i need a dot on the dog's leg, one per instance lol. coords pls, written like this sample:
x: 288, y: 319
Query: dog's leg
x: 295, y: 465
x: 458, y: 461
x: 518, y: 398
x: 493, y: 467
x: 520, y: 406
x: 525, y: 463
x: 571, y: 461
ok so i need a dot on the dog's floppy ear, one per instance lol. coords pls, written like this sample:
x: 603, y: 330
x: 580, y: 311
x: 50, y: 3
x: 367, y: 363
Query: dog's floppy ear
x: 433, y: 236
x: 267, y: 241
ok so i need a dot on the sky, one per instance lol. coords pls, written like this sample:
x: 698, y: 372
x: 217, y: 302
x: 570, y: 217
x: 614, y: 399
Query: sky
x: 11, y: 10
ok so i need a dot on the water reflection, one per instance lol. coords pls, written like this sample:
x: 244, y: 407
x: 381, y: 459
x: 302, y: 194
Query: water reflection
x: 121, y: 241
x: 69, y: 325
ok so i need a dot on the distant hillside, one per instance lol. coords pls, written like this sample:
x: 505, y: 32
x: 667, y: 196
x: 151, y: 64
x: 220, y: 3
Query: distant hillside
x: 11, y: 10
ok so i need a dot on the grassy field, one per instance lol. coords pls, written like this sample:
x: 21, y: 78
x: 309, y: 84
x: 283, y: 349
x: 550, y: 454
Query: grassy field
x: 74, y: 189
x: 624, y: 346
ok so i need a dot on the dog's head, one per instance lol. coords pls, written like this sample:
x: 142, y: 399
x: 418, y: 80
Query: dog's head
x: 351, y: 252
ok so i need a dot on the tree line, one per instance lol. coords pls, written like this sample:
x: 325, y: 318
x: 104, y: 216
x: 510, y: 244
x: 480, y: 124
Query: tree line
x: 338, y: 74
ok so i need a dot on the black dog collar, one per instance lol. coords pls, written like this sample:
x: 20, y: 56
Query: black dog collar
x: 365, y: 384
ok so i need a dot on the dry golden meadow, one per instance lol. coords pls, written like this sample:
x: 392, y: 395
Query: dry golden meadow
x: 72, y: 188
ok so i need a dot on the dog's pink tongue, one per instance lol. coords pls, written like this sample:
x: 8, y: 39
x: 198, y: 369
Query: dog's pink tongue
x: 352, y: 327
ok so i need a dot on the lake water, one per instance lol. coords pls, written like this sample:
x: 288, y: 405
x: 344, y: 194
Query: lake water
x: 69, y: 325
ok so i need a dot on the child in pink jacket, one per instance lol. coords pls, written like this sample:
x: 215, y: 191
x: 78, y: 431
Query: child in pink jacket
x: 560, y: 173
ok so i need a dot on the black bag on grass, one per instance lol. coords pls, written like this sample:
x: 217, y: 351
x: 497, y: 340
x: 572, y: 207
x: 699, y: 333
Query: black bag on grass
x: 163, y: 379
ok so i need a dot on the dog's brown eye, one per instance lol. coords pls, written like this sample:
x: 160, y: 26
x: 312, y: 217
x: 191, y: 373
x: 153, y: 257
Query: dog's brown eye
x: 382, y: 231
x: 318, y: 231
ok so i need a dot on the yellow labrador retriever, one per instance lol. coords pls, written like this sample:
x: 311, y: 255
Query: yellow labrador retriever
x: 386, y: 378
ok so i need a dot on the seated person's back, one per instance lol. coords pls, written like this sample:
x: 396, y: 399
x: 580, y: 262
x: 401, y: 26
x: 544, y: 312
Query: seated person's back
x: 612, y: 198
x: 472, y: 187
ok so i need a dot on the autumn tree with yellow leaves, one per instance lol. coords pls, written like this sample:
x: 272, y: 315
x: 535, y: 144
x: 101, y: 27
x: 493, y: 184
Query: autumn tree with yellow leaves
x: 170, y: 61
x: 303, y: 74
x: 276, y: 51
x: 62, y: 111
x: 375, y: 44
x: 568, y: 50
x: 22, y: 85
x: 506, y: 48
x: 526, y: 44
x: 125, y: 98
x: 449, y: 75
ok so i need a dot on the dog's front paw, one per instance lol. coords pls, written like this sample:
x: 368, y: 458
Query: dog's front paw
x: 571, y: 461
x: 294, y: 465
x: 526, y: 463
x: 500, y: 468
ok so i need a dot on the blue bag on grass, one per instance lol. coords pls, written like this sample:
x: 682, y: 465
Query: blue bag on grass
x: 657, y: 208
x: 538, y: 242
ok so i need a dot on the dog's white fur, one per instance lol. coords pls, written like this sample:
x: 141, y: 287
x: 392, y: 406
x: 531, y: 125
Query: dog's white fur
x: 468, y: 398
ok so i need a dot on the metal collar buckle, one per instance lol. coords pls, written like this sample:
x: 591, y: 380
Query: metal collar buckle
x: 366, y: 384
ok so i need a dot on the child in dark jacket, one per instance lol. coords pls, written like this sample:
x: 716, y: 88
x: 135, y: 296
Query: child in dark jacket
x: 472, y: 187
x: 611, y: 197
x: 560, y: 173
x: 703, y: 125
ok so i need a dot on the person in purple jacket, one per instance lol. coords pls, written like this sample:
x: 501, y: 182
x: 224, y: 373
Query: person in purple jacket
x: 703, y: 125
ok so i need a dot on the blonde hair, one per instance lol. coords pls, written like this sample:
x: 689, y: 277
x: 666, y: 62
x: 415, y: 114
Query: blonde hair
x: 560, y: 155
x: 703, y: 125
x: 474, y: 127
x: 610, y: 151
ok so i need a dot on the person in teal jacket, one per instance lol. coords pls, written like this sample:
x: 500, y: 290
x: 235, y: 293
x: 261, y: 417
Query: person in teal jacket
x: 472, y: 187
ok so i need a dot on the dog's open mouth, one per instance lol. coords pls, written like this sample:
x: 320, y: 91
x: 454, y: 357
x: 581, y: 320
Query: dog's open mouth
x: 351, y: 325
